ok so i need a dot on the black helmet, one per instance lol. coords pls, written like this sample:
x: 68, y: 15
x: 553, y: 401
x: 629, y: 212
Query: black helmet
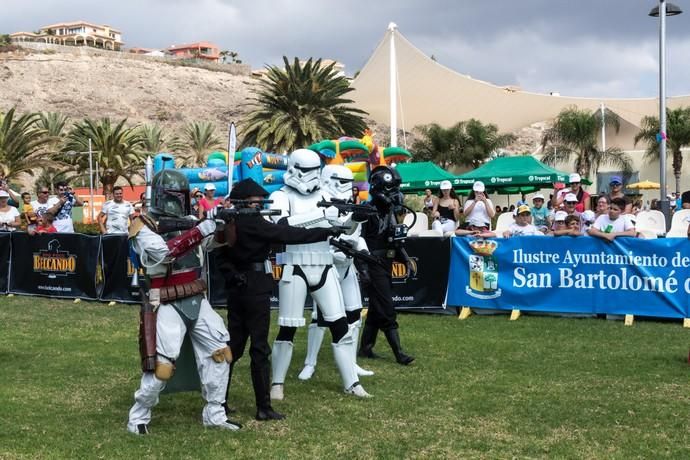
x: 384, y: 179
x: 170, y: 194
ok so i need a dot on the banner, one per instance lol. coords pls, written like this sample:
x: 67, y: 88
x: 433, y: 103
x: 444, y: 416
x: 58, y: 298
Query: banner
x: 55, y: 265
x: 118, y: 270
x: 572, y: 275
x: 4, y: 261
x: 425, y: 286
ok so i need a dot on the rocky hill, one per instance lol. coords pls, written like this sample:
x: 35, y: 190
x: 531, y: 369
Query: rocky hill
x: 100, y: 85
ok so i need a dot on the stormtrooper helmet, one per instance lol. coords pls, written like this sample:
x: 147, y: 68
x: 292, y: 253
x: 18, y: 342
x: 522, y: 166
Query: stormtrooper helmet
x: 303, y: 169
x: 336, y: 182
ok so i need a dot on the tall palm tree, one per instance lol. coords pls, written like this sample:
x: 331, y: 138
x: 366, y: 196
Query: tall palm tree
x: 156, y: 140
x: 21, y: 143
x: 299, y: 105
x: 573, y: 137
x: 467, y: 143
x: 117, y: 149
x: 678, y: 136
x: 198, y: 140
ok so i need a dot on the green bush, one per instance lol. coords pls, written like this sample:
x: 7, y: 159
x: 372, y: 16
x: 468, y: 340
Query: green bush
x: 87, y: 229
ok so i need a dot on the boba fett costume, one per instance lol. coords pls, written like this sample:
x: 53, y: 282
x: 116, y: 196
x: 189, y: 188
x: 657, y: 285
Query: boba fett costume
x: 173, y: 264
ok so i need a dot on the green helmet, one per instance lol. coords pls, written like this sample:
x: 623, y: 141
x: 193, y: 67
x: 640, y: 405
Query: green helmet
x: 170, y: 194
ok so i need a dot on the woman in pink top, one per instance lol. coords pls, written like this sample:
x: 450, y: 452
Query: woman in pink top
x: 208, y: 201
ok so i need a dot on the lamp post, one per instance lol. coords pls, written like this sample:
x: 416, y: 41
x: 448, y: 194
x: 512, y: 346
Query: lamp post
x: 662, y: 10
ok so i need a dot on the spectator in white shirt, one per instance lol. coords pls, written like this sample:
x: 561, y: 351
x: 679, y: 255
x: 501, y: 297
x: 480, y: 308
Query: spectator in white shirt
x: 478, y: 206
x: 114, y: 217
x: 44, y: 201
x: 522, y: 225
x: 614, y: 224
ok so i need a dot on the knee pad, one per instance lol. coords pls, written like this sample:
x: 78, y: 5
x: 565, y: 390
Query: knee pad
x: 222, y: 354
x: 286, y: 334
x: 339, y: 329
x: 164, y: 371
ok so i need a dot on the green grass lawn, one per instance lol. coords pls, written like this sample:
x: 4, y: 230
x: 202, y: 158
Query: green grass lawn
x: 540, y: 387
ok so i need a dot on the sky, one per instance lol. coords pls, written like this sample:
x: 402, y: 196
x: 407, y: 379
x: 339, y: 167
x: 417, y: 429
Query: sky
x: 588, y: 48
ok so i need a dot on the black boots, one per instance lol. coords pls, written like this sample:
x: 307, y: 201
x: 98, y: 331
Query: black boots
x: 394, y: 341
x: 367, y: 342
x: 267, y: 413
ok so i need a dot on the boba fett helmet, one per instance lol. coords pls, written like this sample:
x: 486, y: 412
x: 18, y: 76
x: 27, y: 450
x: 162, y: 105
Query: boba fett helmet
x: 170, y: 194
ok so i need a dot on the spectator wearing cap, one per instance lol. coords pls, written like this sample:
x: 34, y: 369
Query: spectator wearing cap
x: 522, y: 225
x: 587, y: 219
x: 195, y: 195
x: 478, y: 205
x: 476, y: 227
x: 9, y: 215
x: 540, y: 214
x: 559, y: 228
x: 614, y: 224
x: 209, y: 201
x: 616, y: 191
x: 446, y: 209
x: 574, y: 187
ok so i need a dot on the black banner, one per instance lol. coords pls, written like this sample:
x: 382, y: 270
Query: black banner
x: 118, y: 270
x: 55, y: 265
x: 425, y: 286
x: 4, y: 261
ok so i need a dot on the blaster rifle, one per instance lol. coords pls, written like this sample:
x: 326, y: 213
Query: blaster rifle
x: 349, y: 250
x: 229, y: 215
x: 343, y: 206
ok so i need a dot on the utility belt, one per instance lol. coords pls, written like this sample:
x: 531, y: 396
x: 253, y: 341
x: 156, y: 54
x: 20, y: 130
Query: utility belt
x: 304, y: 258
x: 182, y: 291
x: 261, y: 267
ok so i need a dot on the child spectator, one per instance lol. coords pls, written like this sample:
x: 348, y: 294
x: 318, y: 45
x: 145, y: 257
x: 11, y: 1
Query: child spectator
x: 45, y: 224
x: 540, y: 214
x: 614, y: 224
x: 588, y: 217
x: 522, y: 225
x: 476, y: 226
x: 558, y: 228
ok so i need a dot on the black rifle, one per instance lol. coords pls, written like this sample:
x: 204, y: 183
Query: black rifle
x: 360, y: 211
x: 349, y: 250
x: 172, y: 224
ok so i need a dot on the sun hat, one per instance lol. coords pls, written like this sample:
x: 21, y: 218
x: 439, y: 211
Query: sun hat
x: 560, y: 215
x: 478, y: 221
x: 588, y: 216
x: 445, y: 185
x: 616, y: 180
x: 574, y: 177
x: 209, y: 187
x: 478, y: 186
x: 538, y: 196
x: 570, y: 197
x: 522, y: 208
x: 4, y: 194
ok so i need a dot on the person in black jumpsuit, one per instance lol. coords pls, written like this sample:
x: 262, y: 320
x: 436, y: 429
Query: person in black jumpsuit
x: 377, y: 231
x: 249, y: 283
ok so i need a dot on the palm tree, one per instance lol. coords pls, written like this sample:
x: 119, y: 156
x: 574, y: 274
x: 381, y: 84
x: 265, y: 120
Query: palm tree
x: 678, y: 136
x: 21, y: 143
x: 574, y: 134
x: 299, y: 105
x: 117, y: 149
x: 156, y: 140
x: 467, y: 143
x: 199, y: 139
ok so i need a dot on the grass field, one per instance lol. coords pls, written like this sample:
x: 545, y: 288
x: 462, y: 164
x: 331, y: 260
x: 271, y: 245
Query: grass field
x: 540, y: 387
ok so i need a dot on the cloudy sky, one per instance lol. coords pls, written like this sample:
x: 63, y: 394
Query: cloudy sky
x: 596, y: 48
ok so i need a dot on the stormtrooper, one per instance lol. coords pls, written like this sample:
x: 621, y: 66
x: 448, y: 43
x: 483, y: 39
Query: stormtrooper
x: 173, y: 262
x: 336, y: 183
x: 309, y: 268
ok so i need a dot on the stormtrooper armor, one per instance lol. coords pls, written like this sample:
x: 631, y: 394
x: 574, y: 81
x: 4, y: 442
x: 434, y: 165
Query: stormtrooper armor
x: 308, y: 268
x: 173, y: 263
x: 336, y: 183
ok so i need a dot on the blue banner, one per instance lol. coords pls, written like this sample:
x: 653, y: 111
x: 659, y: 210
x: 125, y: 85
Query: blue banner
x: 572, y: 275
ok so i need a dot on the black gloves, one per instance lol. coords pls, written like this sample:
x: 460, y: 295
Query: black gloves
x: 238, y: 280
x: 336, y: 231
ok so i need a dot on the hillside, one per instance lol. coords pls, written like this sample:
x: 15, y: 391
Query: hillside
x: 104, y: 85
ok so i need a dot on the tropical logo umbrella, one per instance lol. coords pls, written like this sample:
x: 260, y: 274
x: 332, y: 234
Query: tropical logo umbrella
x: 644, y: 185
